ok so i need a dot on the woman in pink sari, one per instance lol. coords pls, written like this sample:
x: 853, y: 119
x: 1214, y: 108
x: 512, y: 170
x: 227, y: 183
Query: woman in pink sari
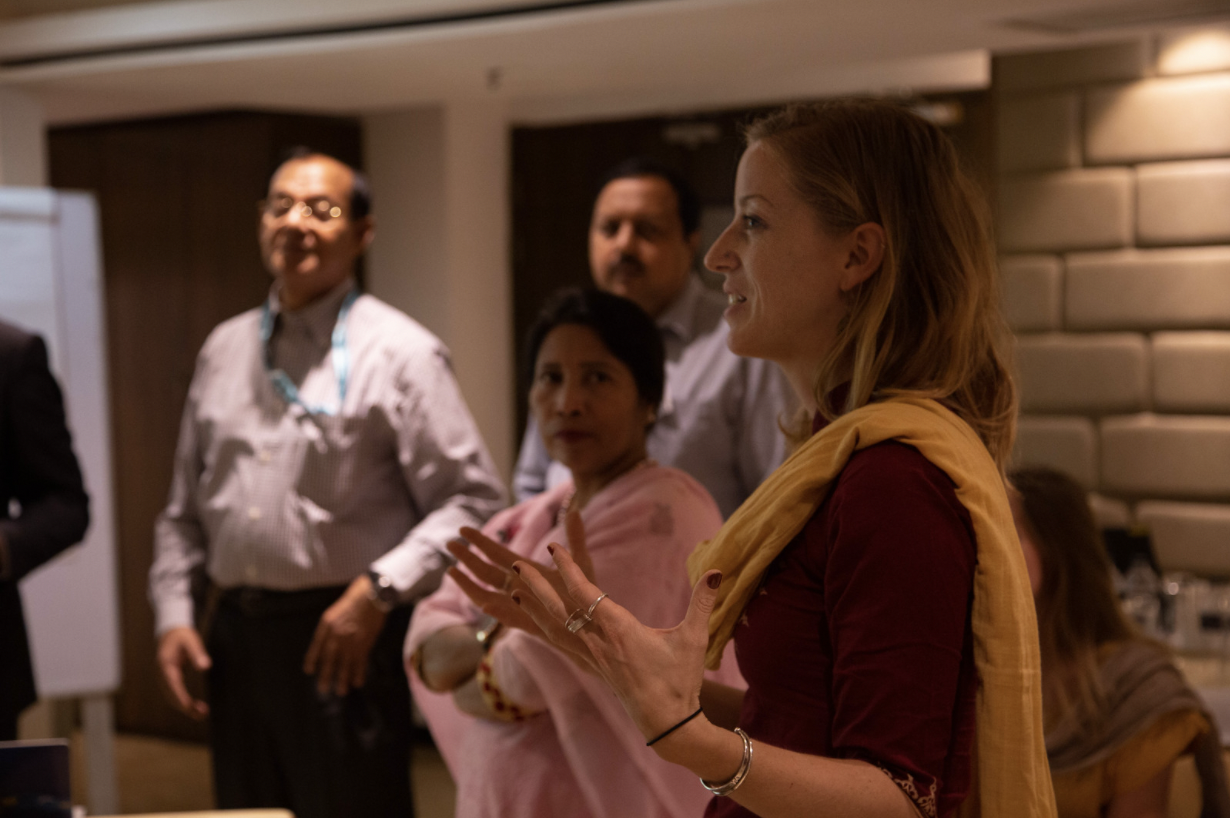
x: 524, y: 731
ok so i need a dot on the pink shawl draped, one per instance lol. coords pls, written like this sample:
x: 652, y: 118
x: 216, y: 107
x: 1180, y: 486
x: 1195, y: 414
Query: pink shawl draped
x: 583, y: 756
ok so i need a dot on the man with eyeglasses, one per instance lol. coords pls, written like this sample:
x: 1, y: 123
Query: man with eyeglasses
x: 325, y: 457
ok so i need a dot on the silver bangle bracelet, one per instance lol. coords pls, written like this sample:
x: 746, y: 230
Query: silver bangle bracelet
x: 727, y: 787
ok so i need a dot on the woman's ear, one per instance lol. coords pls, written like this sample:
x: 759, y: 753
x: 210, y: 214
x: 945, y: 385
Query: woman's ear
x: 866, y: 245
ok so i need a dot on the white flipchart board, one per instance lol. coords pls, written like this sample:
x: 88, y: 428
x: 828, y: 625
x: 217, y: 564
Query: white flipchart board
x: 51, y: 283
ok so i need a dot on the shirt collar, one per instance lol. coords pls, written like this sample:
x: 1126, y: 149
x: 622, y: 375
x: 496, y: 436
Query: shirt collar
x: 318, y: 318
x: 679, y: 318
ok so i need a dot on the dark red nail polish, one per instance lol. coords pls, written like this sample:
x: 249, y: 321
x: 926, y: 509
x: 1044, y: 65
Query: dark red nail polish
x: 517, y: 568
x: 551, y: 549
x: 516, y: 598
x: 715, y: 581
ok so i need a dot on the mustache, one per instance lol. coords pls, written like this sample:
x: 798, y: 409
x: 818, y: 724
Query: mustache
x: 626, y: 264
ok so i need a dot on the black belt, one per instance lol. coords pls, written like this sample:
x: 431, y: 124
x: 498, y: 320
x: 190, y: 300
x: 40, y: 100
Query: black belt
x: 266, y: 602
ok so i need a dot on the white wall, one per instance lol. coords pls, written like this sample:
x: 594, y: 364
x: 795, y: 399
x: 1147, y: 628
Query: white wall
x: 440, y: 178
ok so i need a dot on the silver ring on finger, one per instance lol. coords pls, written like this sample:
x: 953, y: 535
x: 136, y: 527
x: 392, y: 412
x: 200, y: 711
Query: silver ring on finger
x: 579, y: 619
x: 576, y: 620
x: 590, y: 613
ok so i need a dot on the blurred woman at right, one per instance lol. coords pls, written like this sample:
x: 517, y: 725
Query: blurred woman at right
x: 1117, y: 711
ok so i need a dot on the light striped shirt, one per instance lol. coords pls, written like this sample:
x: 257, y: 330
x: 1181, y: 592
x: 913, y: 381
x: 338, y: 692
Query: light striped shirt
x: 266, y: 494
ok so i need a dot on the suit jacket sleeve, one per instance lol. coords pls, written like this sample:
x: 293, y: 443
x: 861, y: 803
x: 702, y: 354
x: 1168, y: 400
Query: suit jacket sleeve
x: 44, y: 475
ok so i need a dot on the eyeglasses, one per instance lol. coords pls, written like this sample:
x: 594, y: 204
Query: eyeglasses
x: 322, y: 210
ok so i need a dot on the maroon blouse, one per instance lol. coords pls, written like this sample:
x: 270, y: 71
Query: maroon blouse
x: 858, y: 644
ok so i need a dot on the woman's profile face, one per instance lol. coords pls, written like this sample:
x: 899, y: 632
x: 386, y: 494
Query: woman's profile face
x: 585, y: 400
x: 783, y: 269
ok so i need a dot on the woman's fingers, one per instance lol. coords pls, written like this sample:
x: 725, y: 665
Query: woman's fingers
x: 495, y: 552
x: 582, y: 591
x: 704, y: 596
x: 495, y: 604
x: 552, y: 628
x: 479, y: 595
x: 575, y: 529
x: 479, y: 567
x: 543, y: 590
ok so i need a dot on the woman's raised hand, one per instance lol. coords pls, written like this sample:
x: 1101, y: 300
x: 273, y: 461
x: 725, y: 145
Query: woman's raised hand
x: 655, y: 673
x: 496, y: 572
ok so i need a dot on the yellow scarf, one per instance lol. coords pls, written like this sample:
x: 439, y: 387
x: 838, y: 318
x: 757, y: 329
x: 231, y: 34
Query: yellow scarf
x: 1012, y: 776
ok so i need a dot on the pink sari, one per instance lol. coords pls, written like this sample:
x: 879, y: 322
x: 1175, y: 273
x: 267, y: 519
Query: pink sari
x: 582, y: 756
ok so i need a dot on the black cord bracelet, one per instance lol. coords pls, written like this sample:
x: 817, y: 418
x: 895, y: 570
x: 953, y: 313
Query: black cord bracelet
x: 661, y: 736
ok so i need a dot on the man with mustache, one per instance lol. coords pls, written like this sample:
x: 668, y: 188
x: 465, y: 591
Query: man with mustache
x: 325, y: 458
x: 719, y: 417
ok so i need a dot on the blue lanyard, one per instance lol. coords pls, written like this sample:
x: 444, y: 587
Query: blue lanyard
x: 284, y: 386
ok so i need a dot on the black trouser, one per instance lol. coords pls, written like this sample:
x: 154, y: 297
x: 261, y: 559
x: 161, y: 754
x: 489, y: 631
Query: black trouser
x: 277, y: 742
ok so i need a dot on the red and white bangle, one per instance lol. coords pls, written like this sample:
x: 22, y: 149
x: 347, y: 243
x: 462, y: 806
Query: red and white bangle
x: 504, y: 708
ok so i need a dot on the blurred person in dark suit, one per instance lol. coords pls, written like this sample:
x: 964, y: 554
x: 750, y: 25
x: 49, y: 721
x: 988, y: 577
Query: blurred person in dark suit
x: 43, y: 505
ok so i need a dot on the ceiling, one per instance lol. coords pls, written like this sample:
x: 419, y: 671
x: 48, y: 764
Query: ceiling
x: 13, y: 9
x: 543, y: 60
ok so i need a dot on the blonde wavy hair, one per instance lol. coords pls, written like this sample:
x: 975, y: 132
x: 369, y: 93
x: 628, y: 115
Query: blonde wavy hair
x: 928, y: 323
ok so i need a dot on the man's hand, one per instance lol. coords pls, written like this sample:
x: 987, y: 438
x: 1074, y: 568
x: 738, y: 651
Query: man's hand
x: 176, y: 646
x: 338, y: 654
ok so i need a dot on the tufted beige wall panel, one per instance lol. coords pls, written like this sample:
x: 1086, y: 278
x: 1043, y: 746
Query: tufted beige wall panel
x: 1183, y: 202
x: 1152, y: 120
x: 1050, y: 69
x: 1148, y: 289
x: 1032, y: 291
x: 1191, y: 372
x: 1189, y: 536
x: 1066, y: 443
x: 1166, y: 456
x: 1040, y: 132
x: 1113, y: 214
x: 1080, y: 209
x: 1084, y: 374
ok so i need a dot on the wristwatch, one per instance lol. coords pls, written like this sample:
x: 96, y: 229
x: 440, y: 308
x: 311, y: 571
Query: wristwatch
x: 382, y: 593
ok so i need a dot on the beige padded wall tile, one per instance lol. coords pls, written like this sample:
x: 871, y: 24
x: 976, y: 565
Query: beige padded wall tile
x: 1173, y: 118
x: 1086, y: 374
x: 1040, y: 132
x: 1166, y: 456
x: 1183, y: 202
x: 1064, y: 443
x: 1050, y: 69
x: 1032, y: 291
x: 1194, y: 50
x: 1191, y: 372
x: 1109, y: 512
x: 1148, y: 289
x: 1066, y: 210
x: 1189, y: 536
